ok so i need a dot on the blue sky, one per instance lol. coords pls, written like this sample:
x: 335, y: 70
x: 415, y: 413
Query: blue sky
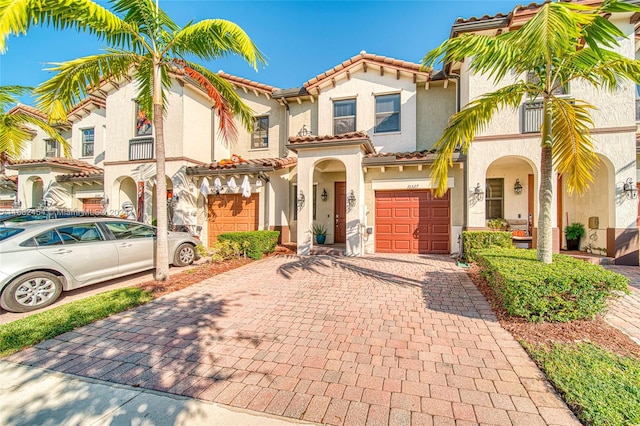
x: 300, y: 38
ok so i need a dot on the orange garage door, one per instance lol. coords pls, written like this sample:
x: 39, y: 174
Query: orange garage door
x: 93, y: 205
x: 231, y: 213
x: 412, y: 222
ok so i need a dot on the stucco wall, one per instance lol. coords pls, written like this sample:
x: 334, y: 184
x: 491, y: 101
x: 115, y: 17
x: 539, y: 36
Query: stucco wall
x: 96, y: 120
x: 364, y: 86
x: 434, y: 107
x: 197, y: 138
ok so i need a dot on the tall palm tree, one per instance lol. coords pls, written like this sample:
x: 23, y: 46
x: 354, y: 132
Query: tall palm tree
x: 145, y: 44
x: 563, y: 42
x: 14, y: 126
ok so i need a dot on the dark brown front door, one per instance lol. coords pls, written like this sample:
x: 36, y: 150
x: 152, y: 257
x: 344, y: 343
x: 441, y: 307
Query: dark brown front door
x: 340, y: 229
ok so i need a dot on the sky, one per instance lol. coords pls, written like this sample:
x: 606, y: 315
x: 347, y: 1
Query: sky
x: 301, y: 39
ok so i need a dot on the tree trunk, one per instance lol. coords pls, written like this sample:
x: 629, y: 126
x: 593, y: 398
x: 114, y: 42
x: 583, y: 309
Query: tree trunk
x: 161, y: 254
x: 545, y: 196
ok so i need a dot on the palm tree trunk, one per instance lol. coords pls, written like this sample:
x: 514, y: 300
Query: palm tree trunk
x: 545, y: 196
x: 161, y: 254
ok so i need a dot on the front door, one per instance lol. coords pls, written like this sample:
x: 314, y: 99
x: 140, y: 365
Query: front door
x: 340, y: 209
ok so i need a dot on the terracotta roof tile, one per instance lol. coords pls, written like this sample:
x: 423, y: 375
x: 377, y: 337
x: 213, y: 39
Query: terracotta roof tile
x: 95, y: 175
x: 248, y: 83
x: 28, y: 110
x: 64, y: 162
x: 409, y: 155
x: 366, y: 57
x: 275, y: 163
x: 328, y: 138
x: 10, y: 178
x: 89, y: 100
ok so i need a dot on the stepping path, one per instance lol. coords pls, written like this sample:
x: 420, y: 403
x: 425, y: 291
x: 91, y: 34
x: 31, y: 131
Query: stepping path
x: 385, y: 339
x: 624, y: 313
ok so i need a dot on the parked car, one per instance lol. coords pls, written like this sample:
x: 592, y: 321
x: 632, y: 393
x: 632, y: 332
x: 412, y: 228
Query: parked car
x: 40, y: 259
x: 29, y: 215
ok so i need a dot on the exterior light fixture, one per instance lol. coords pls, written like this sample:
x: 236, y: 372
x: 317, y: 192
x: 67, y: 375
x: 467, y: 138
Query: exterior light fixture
x: 16, y: 204
x: 630, y: 189
x: 300, y: 200
x: 105, y: 201
x: 351, y: 199
x: 324, y: 195
x: 517, y: 187
x: 477, y: 193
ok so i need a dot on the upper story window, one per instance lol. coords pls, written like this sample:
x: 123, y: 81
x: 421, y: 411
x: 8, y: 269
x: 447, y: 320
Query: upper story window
x: 387, y: 113
x: 143, y: 124
x: 260, y: 133
x: 53, y: 148
x: 532, y: 77
x: 87, y: 142
x: 344, y: 116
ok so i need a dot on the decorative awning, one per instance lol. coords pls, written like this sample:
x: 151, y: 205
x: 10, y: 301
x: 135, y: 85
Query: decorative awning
x: 406, y: 158
x: 82, y: 178
x: 252, y: 166
x: 345, y: 139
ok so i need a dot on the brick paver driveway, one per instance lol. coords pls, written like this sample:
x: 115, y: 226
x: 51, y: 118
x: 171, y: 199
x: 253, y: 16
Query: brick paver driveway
x: 624, y: 313
x: 397, y: 339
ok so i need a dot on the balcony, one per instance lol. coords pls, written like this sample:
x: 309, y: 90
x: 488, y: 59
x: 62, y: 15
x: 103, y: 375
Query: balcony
x: 532, y: 117
x: 141, y: 149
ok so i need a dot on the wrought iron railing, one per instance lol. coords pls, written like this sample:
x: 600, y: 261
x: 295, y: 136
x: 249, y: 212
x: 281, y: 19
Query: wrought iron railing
x: 141, y: 149
x: 532, y: 117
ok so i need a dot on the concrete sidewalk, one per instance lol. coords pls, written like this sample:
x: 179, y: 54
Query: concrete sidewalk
x: 32, y: 395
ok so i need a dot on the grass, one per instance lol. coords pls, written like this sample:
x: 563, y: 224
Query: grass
x: 35, y: 328
x: 602, y: 388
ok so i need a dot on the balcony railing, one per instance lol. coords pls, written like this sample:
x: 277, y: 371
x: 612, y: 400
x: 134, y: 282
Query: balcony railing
x: 532, y: 117
x: 637, y: 109
x: 141, y: 149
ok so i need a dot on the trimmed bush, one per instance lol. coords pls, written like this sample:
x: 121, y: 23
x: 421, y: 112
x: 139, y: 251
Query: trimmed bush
x: 226, y: 250
x: 255, y: 243
x: 566, y: 290
x: 475, y: 241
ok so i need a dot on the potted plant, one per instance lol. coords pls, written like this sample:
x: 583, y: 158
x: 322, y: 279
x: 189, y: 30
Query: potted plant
x: 320, y: 232
x: 573, y: 233
x: 498, y: 224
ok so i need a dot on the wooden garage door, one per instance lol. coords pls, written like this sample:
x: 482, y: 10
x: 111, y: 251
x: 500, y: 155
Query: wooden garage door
x: 92, y: 205
x: 231, y: 213
x: 412, y: 222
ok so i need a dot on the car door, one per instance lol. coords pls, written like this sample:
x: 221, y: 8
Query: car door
x: 134, y: 242
x: 81, y: 249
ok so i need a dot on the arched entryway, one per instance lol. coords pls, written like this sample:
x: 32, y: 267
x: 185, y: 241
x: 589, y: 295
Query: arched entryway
x: 126, y: 197
x: 329, y: 200
x: 166, y: 200
x: 35, y: 187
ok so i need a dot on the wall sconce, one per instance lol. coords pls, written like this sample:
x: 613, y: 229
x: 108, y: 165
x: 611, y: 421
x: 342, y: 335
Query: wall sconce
x: 105, y: 201
x: 16, y: 204
x: 351, y: 199
x: 300, y: 200
x: 477, y: 193
x: 324, y: 195
x: 517, y: 187
x: 630, y: 189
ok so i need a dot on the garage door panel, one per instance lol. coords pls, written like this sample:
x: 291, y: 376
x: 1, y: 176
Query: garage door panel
x: 419, y: 221
x: 231, y: 213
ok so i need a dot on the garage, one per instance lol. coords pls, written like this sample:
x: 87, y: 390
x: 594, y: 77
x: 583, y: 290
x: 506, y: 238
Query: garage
x: 93, y: 205
x: 231, y: 213
x: 409, y: 221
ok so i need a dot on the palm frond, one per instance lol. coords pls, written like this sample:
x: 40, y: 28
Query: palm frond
x: 215, y: 38
x: 9, y: 96
x: 572, y: 148
x: 225, y: 89
x: 144, y: 84
x: 464, y: 125
x: 15, y: 133
x: 18, y: 16
x: 75, y: 79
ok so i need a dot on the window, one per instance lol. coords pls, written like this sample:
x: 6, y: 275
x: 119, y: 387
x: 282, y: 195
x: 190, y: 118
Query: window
x: 87, y: 142
x: 49, y: 238
x: 344, y: 116
x: 387, y: 113
x: 127, y: 231
x: 80, y: 233
x: 143, y: 124
x: 532, y: 77
x: 494, y: 198
x: 260, y: 134
x: 53, y: 148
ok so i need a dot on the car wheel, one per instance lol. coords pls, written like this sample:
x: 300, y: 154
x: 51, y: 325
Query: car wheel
x: 31, y: 291
x: 185, y: 255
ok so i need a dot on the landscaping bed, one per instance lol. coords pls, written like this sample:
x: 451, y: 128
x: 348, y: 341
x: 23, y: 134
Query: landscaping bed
x: 593, y: 366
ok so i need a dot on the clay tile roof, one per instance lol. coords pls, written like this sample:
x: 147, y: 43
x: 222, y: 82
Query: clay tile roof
x: 28, y: 110
x: 85, y: 175
x: 370, y: 58
x: 10, y: 178
x: 58, y: 161
x: 403, y: 157
x: 247, y: 83
x: 89, y: 100
x: 328, y: 138
x: 258, y: 163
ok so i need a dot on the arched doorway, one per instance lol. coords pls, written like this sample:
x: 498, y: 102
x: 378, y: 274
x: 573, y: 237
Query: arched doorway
x: 328, y: 200
x: 37, y: 191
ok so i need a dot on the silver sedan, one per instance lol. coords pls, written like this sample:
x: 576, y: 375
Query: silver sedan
x: 39, y: 260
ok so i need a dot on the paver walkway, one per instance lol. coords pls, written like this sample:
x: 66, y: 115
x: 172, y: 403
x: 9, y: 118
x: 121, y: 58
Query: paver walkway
x: 396, y: 339
x: 624, y: 313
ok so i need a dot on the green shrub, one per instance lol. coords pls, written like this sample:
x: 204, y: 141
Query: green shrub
x: 566, y: 290
x: 475, y: 241
x: 257, y: 242
x: 225, y: 250
x: 202, y: 251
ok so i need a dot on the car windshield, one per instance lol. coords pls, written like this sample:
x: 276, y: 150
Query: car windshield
x: 9, y: 232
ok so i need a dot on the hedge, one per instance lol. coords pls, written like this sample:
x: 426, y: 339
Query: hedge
x: 475, y: 241
x: 565, y: 290
x: 257, y: 242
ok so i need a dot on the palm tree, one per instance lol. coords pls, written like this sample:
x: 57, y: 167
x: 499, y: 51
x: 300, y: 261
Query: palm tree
x: 14, y: 126
x: 563, y: 42
x: 143, y: 43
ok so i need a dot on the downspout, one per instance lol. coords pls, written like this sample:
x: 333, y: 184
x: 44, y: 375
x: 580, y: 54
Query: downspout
x: 287, y: 115
x: 213, y: 134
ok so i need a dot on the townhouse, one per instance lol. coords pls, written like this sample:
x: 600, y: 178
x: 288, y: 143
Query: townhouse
x: 350, y: 149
